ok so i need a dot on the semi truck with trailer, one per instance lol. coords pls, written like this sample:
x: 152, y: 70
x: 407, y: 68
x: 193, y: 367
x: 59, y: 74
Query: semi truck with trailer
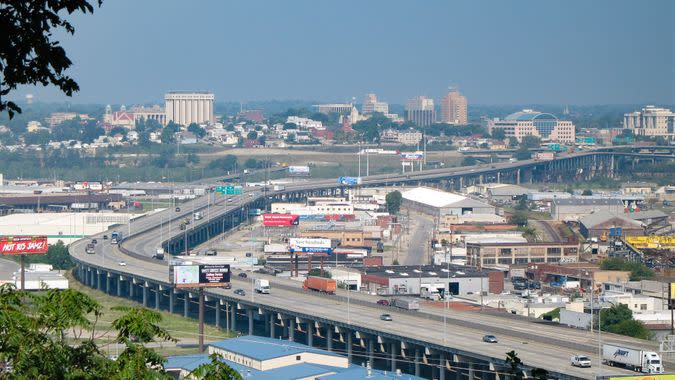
x: 406, y: 303
x: 633, y: 358
x: 320, y: 284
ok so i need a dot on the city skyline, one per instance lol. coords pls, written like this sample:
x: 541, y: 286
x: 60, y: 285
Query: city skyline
x: 585, y: 64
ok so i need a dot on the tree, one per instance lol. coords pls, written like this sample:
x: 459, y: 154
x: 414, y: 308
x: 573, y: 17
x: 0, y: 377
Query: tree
x: 469, y: 161
x: 513, y: 142
x: 216, y: 369
x: 638, y: 271
x: 262, y: 140
x: 168, y: 135
x: 522, y: 154
x: 251, y: 163
x: 117, y: 130
x: 530, y: 142
x: 316, y: 272
x: 195, y: 129
x: 227, y: 163
x: 393, y: 201
x: 519, y: 218
x: 515, y: 365
x: 618, y: 319
x: 29, y: 53
x: 252, y: 135
x: 632, y: 328
x: 91, y: 131
x: 587, y: 192
x: 522, y: 204
x: 37, y: 138
x: 498, y: 133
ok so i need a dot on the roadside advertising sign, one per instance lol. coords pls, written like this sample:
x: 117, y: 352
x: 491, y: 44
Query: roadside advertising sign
x: 20, y: 245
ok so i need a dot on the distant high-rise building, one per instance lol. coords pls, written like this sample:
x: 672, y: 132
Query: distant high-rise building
x: 651, y: 121
x: 370, y: 105
x: 453, y: 108
x: 532, y: 123
x: 187, y: 107
x: 420, y: 110
x: 338, y: 108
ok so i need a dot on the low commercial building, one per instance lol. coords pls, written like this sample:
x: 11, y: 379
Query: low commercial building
x: 409, y: 279
x: 440, y: 203
x: 345, y: 237
x: 599, y: 224
x: 585, y: 273
x: 255, y: 357
x: 53, y: 201
x: 574, y: 208
x: 504, y: 254
x: 506, y: 193
x: 645, y: 188
x: 532, y: 123
x: 654, y: 221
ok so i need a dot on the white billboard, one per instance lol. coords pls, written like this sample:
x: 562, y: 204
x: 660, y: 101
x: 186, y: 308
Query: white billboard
x: 186, y: 275
x: 412, y: 156
x: 298, y: 170
x: 309, y: 245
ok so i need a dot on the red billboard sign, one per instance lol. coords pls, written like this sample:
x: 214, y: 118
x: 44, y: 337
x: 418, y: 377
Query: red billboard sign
x: 18, y: 245
x: 280, y: 220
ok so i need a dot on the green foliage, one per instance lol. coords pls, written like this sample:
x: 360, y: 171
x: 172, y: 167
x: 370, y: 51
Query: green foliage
x: 638, y: 271
x: 530, y: 142
x: 252, y: 135
x: 196, y: 130
x: 139, y: 324
x: 515, y: 365
x: 393, y: 201
x: 57, y: 256
x: 518, y: 218
x: 168, y: 135
x: 618, y: 319
x: 499, y: 134
x: 37, y: 138
x: 552, y: 315
x: 513, y: 142
x: 587, y: 192
x: 30, y: 54
x: 454, y: 130
x: 469, y: 161
x: 216, y: 369
x: 522, y: 154
x: 316, y: 272
x: 522, y: 204
x: 227, y: 163
x: 530, y: 233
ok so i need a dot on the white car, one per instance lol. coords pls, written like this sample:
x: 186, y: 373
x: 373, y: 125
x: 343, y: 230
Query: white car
x: 122, y: 264
x: 581, y: 361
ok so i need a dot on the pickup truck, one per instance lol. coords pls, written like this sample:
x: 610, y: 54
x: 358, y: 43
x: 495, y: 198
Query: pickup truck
x: 581, y: 361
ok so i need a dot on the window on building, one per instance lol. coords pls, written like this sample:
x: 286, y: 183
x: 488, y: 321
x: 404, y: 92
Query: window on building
x: 297, y: 357
x: 506, y: 261
x: 505, y: 251
x: 643, y: 306
x: 553, y: 250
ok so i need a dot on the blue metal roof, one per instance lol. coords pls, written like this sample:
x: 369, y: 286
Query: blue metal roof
x: 527, y: 115
x: 262, y: 348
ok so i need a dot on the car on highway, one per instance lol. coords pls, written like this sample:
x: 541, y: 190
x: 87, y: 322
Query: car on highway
x: 229, y: 200
x: 383, y: 302
x: 94, y: 241
x: 105, y: 237
x: 177, y: 209
x: 490, y: 339
x: 240, y: 292
x: 386, y: 317
x: 242, y: 275
x: 122, y: 263
x: 227, y: 285
x: 582, y: 361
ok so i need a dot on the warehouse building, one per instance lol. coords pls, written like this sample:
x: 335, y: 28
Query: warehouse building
x: 440, y: 203
x: 598, y: 224
x: 499, y: 254
x: 574, y: 208
x: 411, y: 279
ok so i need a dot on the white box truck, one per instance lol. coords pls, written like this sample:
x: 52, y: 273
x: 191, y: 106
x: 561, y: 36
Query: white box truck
x: 407, y: 303
x: 632, y: 358
x: 262, y: 286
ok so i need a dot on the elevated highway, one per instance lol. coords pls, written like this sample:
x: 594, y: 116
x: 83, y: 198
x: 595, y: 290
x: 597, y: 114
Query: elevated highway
x: 432, y: 343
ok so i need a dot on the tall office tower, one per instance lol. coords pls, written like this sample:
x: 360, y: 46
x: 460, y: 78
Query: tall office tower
x: 186, y: 107
x: 420, y: 110
x: 453, y: 108
x: 370, y: 105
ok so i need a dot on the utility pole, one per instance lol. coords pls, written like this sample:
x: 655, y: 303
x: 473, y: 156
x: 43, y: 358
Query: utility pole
x: 201, y: 319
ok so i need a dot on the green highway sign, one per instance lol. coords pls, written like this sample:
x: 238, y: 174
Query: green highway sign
x: 229, y: 190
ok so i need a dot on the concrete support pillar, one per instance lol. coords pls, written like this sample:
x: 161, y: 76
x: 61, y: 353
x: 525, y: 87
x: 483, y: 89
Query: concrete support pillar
x: 272, y: 327
x: 146, y: 290
x: 470, y: 370
x: 119, y: 286
x: 291, y: 329
x: 217, y: 313
x: 267, y: 318
x: 371, y: 351
x: 518, y: 177
x: 107, y: 283
x: 158, y: 293
x: 310, y: 333
x: 250, y: 321
x: 186, y: 304
x: 98, y: 280
x: 172, y: 299
x: 392, y: 355
x: 131, y: 288
x: 329, y: 338
x: 417, y: 361
x: 499, y: 177
x: 233, y: 317
x: 441, y: 369
x: 350, y: 344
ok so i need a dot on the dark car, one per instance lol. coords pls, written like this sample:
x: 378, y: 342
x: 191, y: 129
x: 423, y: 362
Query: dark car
x: 240, y: 292
x: 242, y: 275
x: 105, y: 237
x: 177, y: 209
x: 490, y: 339
x: 386, y: 317
x: 94, y: 241
x: 383, y: 302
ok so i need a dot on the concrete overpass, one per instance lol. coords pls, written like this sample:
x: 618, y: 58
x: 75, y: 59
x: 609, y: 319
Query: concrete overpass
x: 419, y: 343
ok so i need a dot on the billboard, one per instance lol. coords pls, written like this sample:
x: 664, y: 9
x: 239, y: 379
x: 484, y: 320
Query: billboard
x: 18, y: 245
x: 200, y: 275
x: 349, y: 181
x: 280, y: 220
x: 298, y: 170
x: 310, y: 245
x: 412, y: 156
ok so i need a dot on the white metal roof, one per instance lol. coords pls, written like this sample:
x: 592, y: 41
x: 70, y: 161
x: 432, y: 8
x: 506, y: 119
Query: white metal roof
x: 432, y: 197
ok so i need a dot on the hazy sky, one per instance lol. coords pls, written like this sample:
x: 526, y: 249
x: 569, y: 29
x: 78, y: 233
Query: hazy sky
x: 496, y: 52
